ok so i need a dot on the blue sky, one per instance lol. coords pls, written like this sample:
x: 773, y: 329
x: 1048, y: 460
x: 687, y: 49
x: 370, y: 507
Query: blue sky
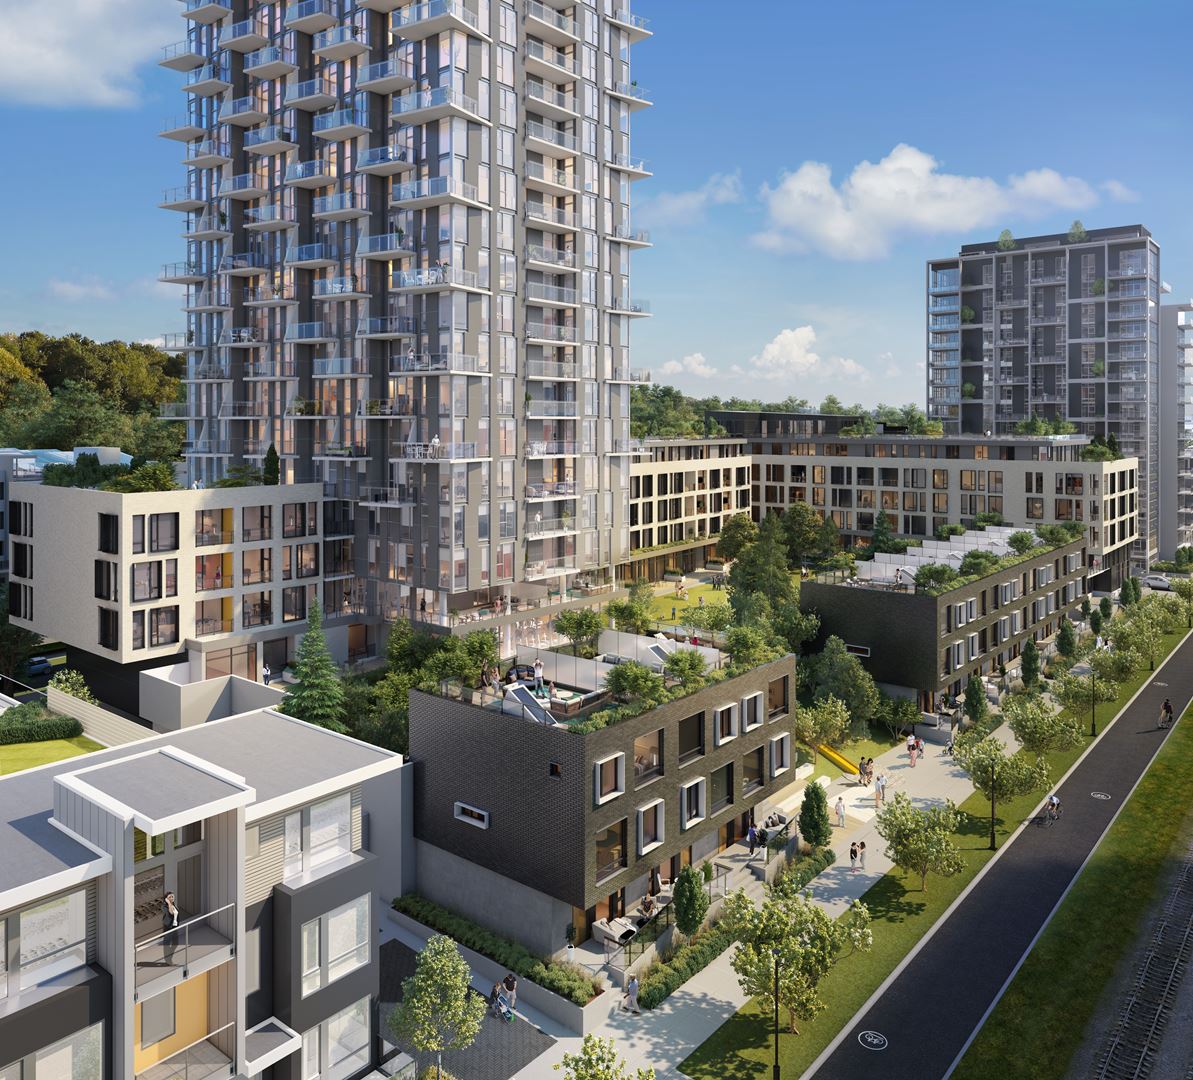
x: 808, y: 158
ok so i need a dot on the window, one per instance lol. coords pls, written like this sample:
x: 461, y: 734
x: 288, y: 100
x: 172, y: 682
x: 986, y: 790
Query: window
x: 147, y: 581
x: 53, y: 938
x: 609, y: 777
x: 339, y: 1046
x: 157, y: 1018
x: 163, y: 532
x: 292, y: 848
x: 106, y: 576
x: 77, y: 1057
x: 777, y: 698
x: 780, y: 754
x: 330, y: 830
x: 692, y: 803
x: 753, y: 770
x: 722, y: 787
x: 691, y: 738
x: 109, y: 628
x: 610, y: 850
x: 138, y: 629
x: 651, y: 826
x: 22, y: 560
x: 163, y: 626
x: 299, y: 519
x: 751, y: 711
x: 335, y: 944
x: 256, y: 523
x: 555, y: 770
x: 294, y: 603
x: 138, y: 534
x: 109, y: 533
x: 648, y: 756
x: 257, y: 609
x: 470, y: 815
x: 725, y: 724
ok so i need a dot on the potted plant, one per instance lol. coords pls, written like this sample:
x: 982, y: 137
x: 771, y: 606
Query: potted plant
x: 968, y: 390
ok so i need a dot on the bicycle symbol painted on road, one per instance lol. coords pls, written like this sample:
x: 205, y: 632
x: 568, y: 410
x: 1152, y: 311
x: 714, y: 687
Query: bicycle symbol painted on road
x: 873, y: 1040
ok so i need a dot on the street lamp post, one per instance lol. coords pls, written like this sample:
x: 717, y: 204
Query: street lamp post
x: 993, y: 842
x: 776, y: 1071
x: 1093, y: 704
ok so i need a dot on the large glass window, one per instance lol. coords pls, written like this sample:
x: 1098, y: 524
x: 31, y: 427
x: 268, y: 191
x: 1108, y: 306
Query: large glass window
x: 79, y: 1057
x: 691, y: 738
x: 330, y: 831
x: 339, y: 1046
x: 257, y: 523
x: 777, y: 697
x: 163, y: 532
x: 147, y: 581
x: 163, y: 626
x: 648, y: 756
x: 610, y: 850
x: 753, y: 765
x: 53, y: 938
x: 335, y: 944
x: 722, y: 787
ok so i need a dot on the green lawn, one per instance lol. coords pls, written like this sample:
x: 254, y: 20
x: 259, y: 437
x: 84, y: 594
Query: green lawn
x: 741, y: 1048
x: 663, y: 603
x: 1041, y: 1020
x: 18, y: 756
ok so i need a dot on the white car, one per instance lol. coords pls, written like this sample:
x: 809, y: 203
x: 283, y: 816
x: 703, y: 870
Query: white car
x: 1158, y: 582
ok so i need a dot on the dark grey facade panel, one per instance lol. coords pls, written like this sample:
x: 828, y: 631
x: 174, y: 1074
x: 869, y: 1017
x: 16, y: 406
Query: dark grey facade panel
x: 44, y: 1015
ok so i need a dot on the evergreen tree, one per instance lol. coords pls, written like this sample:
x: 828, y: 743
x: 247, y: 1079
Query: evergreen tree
x: 691, y: 901
x: 1112, y: 445
x: 975, y: 700
x: 1086, y: 608
x: 318, y: 696
x: 814, y: 824
x: 271, y: 470
x: 1106, y: 607
x: 1066, y: 639
x: 1030, y: 664
x: 883, y: 537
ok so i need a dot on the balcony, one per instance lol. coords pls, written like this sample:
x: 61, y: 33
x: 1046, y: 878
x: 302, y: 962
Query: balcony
x: 636, y: 28
x: 631, y: 94
x: 387, y: 77
x: 245, y: 36
x: 549, y: 102
x: 271, y: 139
x: 337, y: 451
x: 209, y: 301
x: 541, y: 568
x: 270, y: 295
x: 623, y: 234
x: 551, y: 370
x: 385, y: 246
x: 420, y: 194
x: 341, y: 124
x: 550, y: 141
x: 183, y: 128
x: 270, y: 218
x: 212, y: 372
x: 244, y: 188
x: 404, y: 407
x: 387, y: 327
x: 312, y: 256
x: 341, y: 206
x: 435, y: 280
x: 551, y: 295
x: 1127, y: 270
x: 538, y: 448
x: 385, y: 160
x: 183, y: 341
x: 553, y: 259
x: 551, y: 489
x: 551, y: 334
x: 433, y: 451
x: 340, y: 288
x: 205, y: 11
x: 541, y: 527
x: 183, y: 56
x: 393, y: 495
x: 549, y: 180
x: 242, y: 410
x: 630, y: 375
x: 419, y: 21
x: 164, y: 959
x: 312, y: 333
x: 550, y: 219
x: 341, y: 43
x: 537, y: 409
x: 272, y: 62
x: 426, y: 106
x: 626, y: 163
x: 311, y: 95
x: 208, y: 154
x: 310, y: 174
x: 310, y: 16
x: 450, y: 363
x: 182, y: 273
x: 270, y: 370
x: 340, y: 367
x: 550, y: 62
x: 623, y: 305
x: 209, y: 80
x: 246, y: 111
x: 202, y: 1060
x: 243, y: 337
x: 246, y: 264
x: 177, y: 410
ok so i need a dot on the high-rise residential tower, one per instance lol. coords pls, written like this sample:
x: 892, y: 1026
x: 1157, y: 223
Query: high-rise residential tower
x: 1061, y: 327
x: 408, y: 241
x: 1176, y: 427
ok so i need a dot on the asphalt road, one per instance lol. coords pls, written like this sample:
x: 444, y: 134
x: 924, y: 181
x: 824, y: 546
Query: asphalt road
x: 916, y: 1029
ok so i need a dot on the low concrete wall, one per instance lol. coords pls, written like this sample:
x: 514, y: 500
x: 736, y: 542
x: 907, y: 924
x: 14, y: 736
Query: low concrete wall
x: 98, y: 724
x: 573, y: 1018
x: 170, y: 701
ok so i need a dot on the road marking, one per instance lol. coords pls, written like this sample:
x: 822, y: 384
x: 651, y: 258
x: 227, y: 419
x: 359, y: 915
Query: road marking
x: 873, y: 1040
x: 1159, y: 684
x: 1099, y: 795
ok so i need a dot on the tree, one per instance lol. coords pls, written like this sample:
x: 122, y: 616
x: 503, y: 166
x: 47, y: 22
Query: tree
x: 934, y: 576
x: 751, y: 647
x: 883, y: 537
x: 828, y: 540
x: 1095, y: 620
x: 630, y: 617
x: 1106, y: 607
x: 975, y: 700
x: 71, y: 682
x: 814, y: 824
x: 997, y: 774
x: 1029, y: 663
x: 239, y: 475
x: 635, y: 682
x: 736, y: 533
x: 691, y: 901
x: 16, y: 644
x: 1126, y: 594
x: 836, y: 672
x: 1006, y: 242
x: 598, y: 1060
x: 801, y: 530
x: 1038, y: 727
x: 1077, y: 233
x: 919, y: 841
x: 152, y: 476
x: 689, y: 667
x: 272, y: 467
x: 1074, y: 692
x: 318, y: 696
x: 1115, y: 665
x: 714, y: 619
x: 1141, y: 632
x: 1066, y: 639
x: 582, y: 627
x: 438, y: 1010
x: 1021, y: 542
x: 825, y: 721
x: 761, y: 567
x: 796, y: 627
x: 1086, y: 607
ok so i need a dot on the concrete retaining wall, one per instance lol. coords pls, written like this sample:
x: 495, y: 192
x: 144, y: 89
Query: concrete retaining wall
x: 98, y: 724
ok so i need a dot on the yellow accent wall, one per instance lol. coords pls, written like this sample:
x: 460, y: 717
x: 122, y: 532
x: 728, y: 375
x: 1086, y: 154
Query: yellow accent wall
x: 190, y: 1024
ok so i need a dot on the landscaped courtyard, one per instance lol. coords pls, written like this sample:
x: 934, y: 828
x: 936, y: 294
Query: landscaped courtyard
x: 19, y: 756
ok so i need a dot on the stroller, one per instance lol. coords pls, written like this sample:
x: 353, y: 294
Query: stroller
x: 499, y: 1004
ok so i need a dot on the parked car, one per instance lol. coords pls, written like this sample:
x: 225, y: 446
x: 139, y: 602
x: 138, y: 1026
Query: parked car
x: 40, y: 665
x: 1158, y: 582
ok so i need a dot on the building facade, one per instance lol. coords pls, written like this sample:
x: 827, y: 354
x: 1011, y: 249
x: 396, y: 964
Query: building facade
x: 1058, y: 329
x: 408, y: 241
x: 1176, y: 427
x: 530, y: 828
x: 256, y: 825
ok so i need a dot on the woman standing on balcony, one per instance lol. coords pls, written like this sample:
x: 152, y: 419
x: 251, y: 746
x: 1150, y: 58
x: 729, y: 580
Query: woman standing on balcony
x: 169, y: 922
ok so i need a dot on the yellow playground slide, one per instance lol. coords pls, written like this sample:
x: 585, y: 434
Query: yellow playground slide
x: 842, y: 763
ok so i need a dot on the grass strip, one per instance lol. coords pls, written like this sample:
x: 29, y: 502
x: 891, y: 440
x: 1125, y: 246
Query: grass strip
x: 742, y: 1048
x: 17, y: 757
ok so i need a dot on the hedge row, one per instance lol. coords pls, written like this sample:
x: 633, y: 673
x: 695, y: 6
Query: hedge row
x: 567, y: 980
x: 33, y: 723
x: 800, y: 873
x: 664, y: 977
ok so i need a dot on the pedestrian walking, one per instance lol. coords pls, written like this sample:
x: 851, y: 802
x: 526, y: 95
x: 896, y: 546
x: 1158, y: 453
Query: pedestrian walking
x: 853, y: 856
x: 861, y: 855
x: 673, y: 613
x: 752, y: 839
x: 266, y: 674
x: 511, y: 989
x: 911, y: 753
x: 630, y: 1002
x: 881, y: 787
x: 840, y: 812
x: 877, y: 795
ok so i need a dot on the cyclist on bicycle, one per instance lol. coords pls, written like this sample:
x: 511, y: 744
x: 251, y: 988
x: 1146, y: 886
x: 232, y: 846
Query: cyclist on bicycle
x: 1054, y: 806
x: 1166, y: 714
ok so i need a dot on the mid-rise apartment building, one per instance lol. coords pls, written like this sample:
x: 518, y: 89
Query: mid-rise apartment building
x: 681, y: 492
x: 1176, y: 427
x: 1058, y: 329
x: 924, y: 482
x: 257, y: 826
x: 408, y: 242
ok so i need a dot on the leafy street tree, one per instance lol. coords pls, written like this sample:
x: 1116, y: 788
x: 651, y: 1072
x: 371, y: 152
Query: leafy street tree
x: 1074, y: 692
x: 16, y: 644
x: 272, y: 468
x: 1029, y: 661
x: 630, y: 617
x: 974, y: 702
x: 1139, y: 631
x: 795, y: 627
x: 838, y: 673
x: 1066, y: 639
x: 1106, y: 607
x: 636, y: 683
x: 1038, y: 727
x: 736, y: 533
x: 691, y: 901
x: 598, y: 1059
x: 72, y: 682
x: 689, y: 667
x: 318, y: 696
x: 438, y: 1010
x: 997, y: 774
x: 1115, y: 665
x: 582, y: 627
x: 1095, y: 620
x: 919, y: 841
x: 824, y: 721
x: 814, y: 825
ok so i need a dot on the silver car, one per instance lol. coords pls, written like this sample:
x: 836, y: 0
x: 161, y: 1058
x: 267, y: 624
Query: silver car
x: 1156, y: 582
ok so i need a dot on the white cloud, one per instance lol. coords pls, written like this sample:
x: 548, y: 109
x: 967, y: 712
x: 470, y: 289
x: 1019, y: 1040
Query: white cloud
x: 904, y: 193
x: 1119, y: 191
x: 690, y: 207
x: 77, y: 292
x: 692, y: 364
x: 790, y: 355
x: 80, y: 52
x: 156, y: 342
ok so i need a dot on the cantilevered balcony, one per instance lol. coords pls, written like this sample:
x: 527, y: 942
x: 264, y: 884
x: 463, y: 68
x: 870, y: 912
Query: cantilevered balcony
x: 624, y: 234
x: 623, y: 305
x: 162, y: 959
x: 434, y: 451
x: 312, y: 256
x: 631, y: 93
x: 549, y: 141
x: 552, y: 371
x: 551, y: 334
x: 177, y: 410
x: 550, y: 62
x: 310, y: 16
x: 331, y: 450
x: 549, y: 180
x: 385, y: 246
x: 383, y: 6
x: 245, y: 264
x: 420, y: 194
x: 208, y: 154
x: 441, y: 363
x: 311, y: 95
x: 550, y: 218
x: 183, y: 341
x: 311, y: 174
x: 244, y: 188
x: 209, y: 80
x: 553, y: 567
x: 387, y: 327
x: 425, y: 106
x: 245, y: 36
x: 270, y: 139
x: 386, y: 77
x: 636, y: 27
x: 341, y: 124
x: 181, y: 198
x: 183, y: 273
x: 243, y: 337
x: 547, y: 101
x: 208, y: 371
x: 270, y: 294
x: 183, y: 128
x: 270, y: 370
x: 405, y: 407
x: 271, y: 218
x: 342, y: 206
x: 341, y: 43
x: 390, y: 495
x: 209, y: 301
x: 540, y: 409
x: 211, y: 224
x: 550, y: 258
x: 248, y: 111
x: 635, y: 167
x: 549, y: 25
x: 551, y: 295
x: 210, y: 1056
x: 435, y: 279
x: 420, y: 21
x: 271, y: 62
x: 205, y: 11
x: 385, y: 160
x: 183, y: 56
x: 340, y: 288
x: 340, y: 367
x: 313, y: 333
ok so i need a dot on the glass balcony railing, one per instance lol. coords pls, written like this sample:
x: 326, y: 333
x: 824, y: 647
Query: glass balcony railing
x: 202, y: 1060
x: 395, y: 244
x: 550, y: 255
x: 550, y: 55
x: 552, y: 332
x: 394, y: 68
x: 341, y: 201
x: 549, y: 96
x: 550, y: 215
x: 270, y: 56
x: 548, y: 175
x: 184, y: 946
x: 309, y: 170
x: 328, y: 288
x: 383, y: 155
x: 433, y: 187
x: 408, y: 17
x: 271, y: 133
x: 535, y: 130
x: 551, y: 17
x: 341, y: 35
x: 432, y: 98
x: 341, y: 118
x: 436, y: 276
x: 556, y: 294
